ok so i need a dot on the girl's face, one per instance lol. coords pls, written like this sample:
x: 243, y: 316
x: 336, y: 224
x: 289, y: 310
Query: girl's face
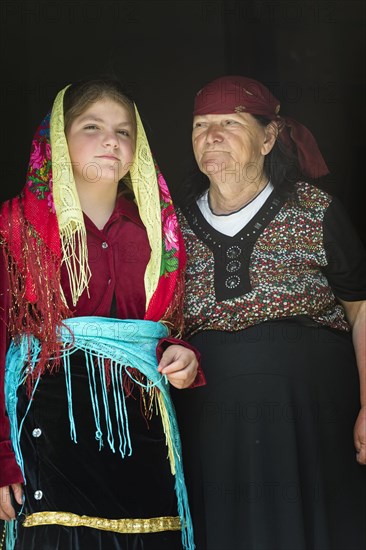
x: 101, y: 144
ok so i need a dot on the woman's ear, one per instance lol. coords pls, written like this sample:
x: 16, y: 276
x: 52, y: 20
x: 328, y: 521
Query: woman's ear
x: 271, y: 132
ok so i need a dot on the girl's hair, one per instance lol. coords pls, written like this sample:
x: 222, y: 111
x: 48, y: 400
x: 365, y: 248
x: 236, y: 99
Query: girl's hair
x: 281, y: 166
x: 79, y: 96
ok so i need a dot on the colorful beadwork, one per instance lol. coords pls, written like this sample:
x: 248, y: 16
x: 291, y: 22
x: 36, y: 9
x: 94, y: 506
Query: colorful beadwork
x: 285, y: 270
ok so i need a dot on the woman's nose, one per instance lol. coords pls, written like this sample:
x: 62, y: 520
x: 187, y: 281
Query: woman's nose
x: 214, y: 133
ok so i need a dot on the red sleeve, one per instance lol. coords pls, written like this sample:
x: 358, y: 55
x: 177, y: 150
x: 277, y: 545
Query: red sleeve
x: 9, y: 469
x: 200, y: 379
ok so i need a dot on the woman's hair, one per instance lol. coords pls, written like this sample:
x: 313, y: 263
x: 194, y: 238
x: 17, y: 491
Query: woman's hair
x: 281, y: 166
x: 79, y: 96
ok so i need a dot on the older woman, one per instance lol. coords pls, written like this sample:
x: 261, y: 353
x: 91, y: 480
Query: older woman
x: 276, y: 283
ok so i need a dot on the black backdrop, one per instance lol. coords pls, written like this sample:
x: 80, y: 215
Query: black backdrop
x: 309, y: 52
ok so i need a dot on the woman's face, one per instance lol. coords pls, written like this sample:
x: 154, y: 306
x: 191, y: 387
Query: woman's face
x: 232, y: 145
x: 101, y: 143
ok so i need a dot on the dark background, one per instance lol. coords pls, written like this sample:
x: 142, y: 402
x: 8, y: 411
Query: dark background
x: 309, y: 53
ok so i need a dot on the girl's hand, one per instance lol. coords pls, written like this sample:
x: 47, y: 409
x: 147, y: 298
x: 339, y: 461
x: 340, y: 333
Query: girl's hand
x: 180, y: 366
x: 7, y: 511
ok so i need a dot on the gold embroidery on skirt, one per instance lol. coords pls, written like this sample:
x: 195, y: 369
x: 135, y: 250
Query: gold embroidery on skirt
x: 130, y: 526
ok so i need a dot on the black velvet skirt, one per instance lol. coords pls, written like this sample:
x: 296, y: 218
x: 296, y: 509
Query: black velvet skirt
x: 268, y: 443
x: 83, y: 479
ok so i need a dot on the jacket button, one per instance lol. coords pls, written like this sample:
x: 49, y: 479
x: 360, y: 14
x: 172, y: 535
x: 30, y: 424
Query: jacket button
x: 104, y: 245
x: 38, y: 495
x: 37, y: 432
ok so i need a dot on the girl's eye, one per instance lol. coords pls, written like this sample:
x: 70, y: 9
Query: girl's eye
x: 124, y: 133
x: 91, y: 127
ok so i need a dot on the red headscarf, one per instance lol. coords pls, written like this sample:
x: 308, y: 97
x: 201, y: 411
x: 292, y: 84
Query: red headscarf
x: 239, y: 94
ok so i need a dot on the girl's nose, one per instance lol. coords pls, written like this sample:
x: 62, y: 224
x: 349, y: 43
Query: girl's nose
x: 111, y: 140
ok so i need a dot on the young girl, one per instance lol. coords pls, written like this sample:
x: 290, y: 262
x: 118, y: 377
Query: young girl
x: 92, y: 240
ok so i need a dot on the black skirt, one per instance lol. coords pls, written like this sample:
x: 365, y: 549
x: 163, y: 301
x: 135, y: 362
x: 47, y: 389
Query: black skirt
x: 268, y: 443
x: 82, y: 479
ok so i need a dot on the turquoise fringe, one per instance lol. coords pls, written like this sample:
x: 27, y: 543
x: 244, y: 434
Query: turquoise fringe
x: 125, y: 343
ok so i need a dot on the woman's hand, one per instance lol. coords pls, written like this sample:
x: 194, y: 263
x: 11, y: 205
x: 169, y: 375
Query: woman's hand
x: 356, y: 316
x: 7, y: 511
x: 180, y: 366
x: 359, y: 435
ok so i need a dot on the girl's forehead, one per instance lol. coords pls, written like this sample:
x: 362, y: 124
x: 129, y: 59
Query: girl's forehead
x: 106, y: 108
x: 106, y: 103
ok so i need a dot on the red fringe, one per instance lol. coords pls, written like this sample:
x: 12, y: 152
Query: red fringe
x: 39, y: 276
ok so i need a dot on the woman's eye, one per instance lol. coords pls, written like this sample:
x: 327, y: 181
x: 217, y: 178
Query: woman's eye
x: 230, y: 122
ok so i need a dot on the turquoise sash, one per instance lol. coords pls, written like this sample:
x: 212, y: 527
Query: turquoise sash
x: 125, y: 343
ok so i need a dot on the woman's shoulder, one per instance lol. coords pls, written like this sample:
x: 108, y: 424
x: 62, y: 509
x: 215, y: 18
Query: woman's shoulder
x: 185, y: 218
x: 181, y: 213
x: 181, y: 217
x: 310, y: 196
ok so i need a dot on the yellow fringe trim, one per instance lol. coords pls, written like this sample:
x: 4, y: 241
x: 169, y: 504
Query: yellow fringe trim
x: 129, y: 526
x: 146, y: 190
x: 67, y: 204
x: 166, y: 426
